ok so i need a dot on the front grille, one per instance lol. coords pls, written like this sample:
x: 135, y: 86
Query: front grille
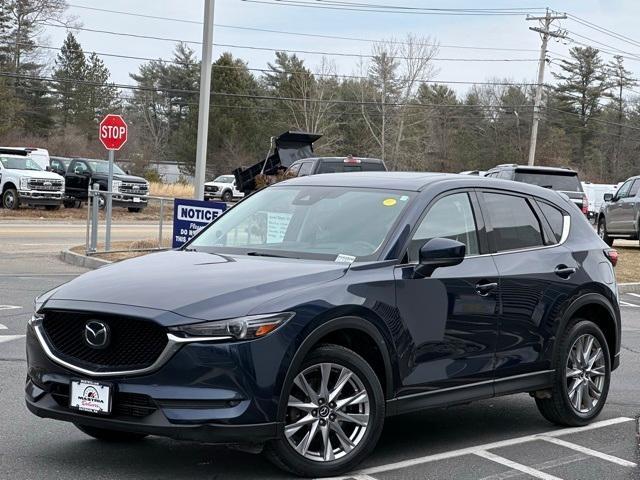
x: 211, y: 188
x: 134, y: 344
x: 123, y: 405
x: 134, y: 188
x: 45, y: 185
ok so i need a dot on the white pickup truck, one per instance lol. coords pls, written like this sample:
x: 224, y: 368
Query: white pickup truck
x: 223, y: 187
x: 23, y: 181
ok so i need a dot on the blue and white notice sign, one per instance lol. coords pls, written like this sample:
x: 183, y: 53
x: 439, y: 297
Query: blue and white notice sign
x: 190, y: 216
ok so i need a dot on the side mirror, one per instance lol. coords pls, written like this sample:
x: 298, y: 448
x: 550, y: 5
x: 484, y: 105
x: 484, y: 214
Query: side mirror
x: 608, y: 197
x: 438, y: 253
x: 47, y: 168
x: 128, y: 172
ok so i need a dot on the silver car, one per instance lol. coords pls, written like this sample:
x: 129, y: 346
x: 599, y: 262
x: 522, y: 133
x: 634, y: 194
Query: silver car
x: 619, y: 216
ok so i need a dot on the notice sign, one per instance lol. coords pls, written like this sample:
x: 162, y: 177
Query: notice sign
x: 190, y: 216
x: 277, y: 224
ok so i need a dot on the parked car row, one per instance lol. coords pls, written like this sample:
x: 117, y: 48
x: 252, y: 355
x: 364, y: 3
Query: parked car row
x: 24, y: 180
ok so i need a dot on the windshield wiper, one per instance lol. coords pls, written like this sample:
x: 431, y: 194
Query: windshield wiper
x: 263, y: 254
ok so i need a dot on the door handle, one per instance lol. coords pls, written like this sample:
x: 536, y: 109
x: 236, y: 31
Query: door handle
x: 565, y: 272
x: 485, y: 288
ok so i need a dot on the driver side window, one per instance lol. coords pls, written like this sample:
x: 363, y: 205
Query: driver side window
x: 623, y: 191
x: 79, y: 168
x: 450, y: 217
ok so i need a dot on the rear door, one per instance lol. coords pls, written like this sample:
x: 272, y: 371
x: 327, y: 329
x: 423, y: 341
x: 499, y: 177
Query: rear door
x: 537, y: 273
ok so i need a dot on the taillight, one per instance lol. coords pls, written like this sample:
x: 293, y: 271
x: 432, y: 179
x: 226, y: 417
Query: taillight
x: 585, y: 204
x: 612, y: 255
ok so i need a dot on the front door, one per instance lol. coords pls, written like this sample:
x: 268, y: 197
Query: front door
x: 620, y: 209
x: 451, y: 316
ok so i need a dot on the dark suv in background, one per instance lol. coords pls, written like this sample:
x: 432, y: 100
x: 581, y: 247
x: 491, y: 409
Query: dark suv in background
x: 619, y: 217
x: 302, y: 317
x: 314, y: 166
x: 563, y: 180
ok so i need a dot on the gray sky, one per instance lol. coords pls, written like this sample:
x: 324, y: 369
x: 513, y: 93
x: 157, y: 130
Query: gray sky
x: 620, y: 16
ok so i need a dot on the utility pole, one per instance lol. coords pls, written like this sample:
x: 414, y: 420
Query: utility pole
x: 205, y: 96
x: 545, y: 32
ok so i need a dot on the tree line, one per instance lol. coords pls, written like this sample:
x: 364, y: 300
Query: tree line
x: 391, y: 107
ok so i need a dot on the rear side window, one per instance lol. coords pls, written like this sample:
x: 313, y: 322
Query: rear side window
x: 555, y: 217
x: 515, y: 225
x: 561, y: 181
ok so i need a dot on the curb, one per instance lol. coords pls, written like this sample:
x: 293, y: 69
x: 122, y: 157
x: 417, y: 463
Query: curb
x: 629, y: 287
x: 78, y: 260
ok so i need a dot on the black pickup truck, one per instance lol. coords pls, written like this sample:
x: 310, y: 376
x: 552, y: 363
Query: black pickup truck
x: 83, y: 172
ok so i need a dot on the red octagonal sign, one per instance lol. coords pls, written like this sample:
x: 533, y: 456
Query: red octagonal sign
x: 113, y: 132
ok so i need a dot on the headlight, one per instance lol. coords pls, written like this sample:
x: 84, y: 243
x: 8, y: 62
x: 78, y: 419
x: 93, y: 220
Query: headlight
x: 242, y: 328
x: 24, y: 183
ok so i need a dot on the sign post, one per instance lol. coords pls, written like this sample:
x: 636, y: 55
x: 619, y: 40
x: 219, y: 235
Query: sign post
x: 113, y: 134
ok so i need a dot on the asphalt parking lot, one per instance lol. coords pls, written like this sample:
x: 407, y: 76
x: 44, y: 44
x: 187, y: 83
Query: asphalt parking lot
x: 502, y: 438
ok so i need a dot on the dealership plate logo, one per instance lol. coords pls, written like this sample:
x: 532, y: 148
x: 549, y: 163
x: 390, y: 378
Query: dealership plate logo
x: 97, y: 334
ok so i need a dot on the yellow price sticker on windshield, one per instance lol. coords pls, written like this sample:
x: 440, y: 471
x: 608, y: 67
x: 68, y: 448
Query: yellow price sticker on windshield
x: 389, y: 202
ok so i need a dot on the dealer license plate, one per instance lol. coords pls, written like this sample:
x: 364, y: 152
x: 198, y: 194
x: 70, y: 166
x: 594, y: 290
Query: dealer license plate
x: 90, y: 396
x: 136, y: 199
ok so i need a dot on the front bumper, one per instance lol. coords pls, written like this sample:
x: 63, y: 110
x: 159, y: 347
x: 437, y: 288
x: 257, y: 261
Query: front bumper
x: 205, y: 392
x: 211, y: 195
x: 42, y: 403
x: 35, y: 197
x: 126, y: 201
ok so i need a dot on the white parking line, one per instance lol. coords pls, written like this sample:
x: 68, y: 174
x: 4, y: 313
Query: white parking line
x: 482, y: 448
x: 9, y: 307
x: 515, y: 465
x: 8, y: 338
x: 627, y: 304
x: 634, y: 294
x: 588, y: 451
x: 3, y: 327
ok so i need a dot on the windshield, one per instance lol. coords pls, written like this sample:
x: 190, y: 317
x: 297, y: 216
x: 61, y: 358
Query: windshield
x: 310, y: 222
x: 103, y: 167
x: 225, y: 179
x: 564, y: 182
x: 20, y: 163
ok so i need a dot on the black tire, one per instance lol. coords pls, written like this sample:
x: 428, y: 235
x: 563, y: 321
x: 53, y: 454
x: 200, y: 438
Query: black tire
x: 52, y: 208
x: 102, y: 202
x: 227, y: 196
x: 283, y: 455
x: 602, y: 232
x: 69, y: 203
x: 558, y: 408
x: 134, y: 209
x: 10, y: 199
x: 110, y: 435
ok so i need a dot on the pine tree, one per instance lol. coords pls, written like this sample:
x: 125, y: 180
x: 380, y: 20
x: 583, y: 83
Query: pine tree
x: 70, y: 69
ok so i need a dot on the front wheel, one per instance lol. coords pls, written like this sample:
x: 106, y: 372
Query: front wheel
x: 227, y: 196
x: 581, y: 379
x: 134, y: 209
x: 52, y: 208
x: 334, y: 415
x: 10, y: 199
x: 110, y: 435
x: 602, y: 232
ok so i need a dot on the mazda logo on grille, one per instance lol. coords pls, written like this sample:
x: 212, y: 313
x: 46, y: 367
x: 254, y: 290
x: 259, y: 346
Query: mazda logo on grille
x: 97, y: 334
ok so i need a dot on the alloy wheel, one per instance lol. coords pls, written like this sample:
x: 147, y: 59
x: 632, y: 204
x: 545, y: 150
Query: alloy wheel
x: 9, y: 200
x: 585, y: 373
x: 601, y: 230
x: 327, y: 412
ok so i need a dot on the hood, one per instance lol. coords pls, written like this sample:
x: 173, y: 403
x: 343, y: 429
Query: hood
x: 38, y: 174
x: 197, y: 285
x: 126, y: 178
x: 219, y: 184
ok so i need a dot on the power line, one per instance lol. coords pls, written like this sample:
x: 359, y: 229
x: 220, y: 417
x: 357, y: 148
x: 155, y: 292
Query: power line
x: 303, y: 34
x: 308, y: 52
x: 385, y: 9
x: 257, y: 97
x: 604, y: 30
x: 286, y: 72
x: 629, y: 54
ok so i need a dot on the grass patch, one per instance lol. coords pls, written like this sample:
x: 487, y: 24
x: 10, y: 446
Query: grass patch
x: 628, y: 268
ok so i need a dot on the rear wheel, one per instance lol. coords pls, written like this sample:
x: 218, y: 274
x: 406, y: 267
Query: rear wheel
x: 110, y: 435
x: 334, y: 415
x: 10, y: 199
x: 602, y: 232
x: 52, y: 208
x: 134, y: 209
x: 581, y: 379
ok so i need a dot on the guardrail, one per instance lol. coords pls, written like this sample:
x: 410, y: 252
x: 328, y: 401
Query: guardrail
x: 95, y: 202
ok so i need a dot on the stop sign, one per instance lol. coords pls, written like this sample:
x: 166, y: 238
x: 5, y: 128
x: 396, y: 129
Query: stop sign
x: 113, y: 132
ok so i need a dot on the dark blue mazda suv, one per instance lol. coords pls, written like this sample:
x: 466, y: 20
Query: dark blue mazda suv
x: 308, y: 313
